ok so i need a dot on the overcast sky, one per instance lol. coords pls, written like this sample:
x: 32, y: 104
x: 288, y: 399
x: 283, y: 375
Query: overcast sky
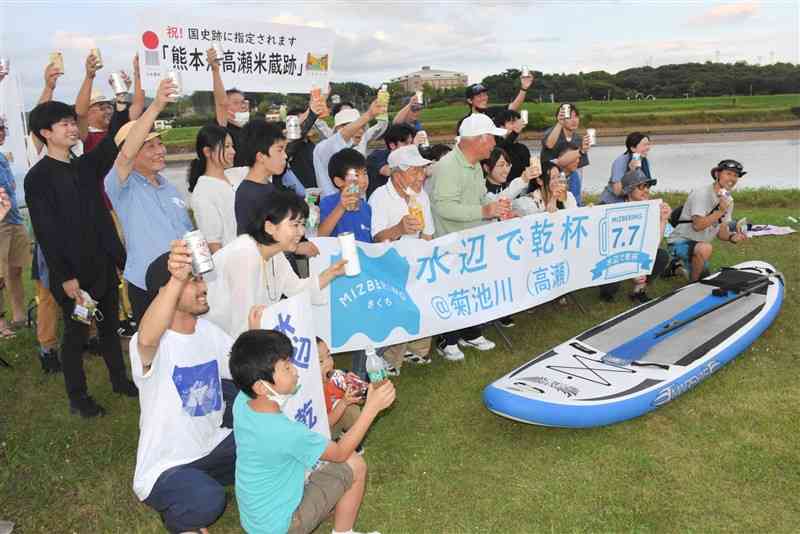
x: 380, y: 40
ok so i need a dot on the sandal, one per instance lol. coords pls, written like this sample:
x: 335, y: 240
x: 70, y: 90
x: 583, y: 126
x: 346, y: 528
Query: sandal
x: 7, y: 333
x: 418, y: 360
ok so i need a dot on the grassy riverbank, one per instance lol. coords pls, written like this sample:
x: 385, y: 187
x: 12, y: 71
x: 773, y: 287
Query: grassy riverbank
x: 722, y: 458
x: 675, y: 114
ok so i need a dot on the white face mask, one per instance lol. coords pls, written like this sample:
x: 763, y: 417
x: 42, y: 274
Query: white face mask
x: 280, y: 398
x: 241, y: 117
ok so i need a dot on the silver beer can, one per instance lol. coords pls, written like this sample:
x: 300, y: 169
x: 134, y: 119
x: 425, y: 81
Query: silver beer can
x: 118, y: 83
x: 96, y: 53
x: 425, y: 141
x: 217, y: 46
x: 293, y: 131
x: 175, y: 77
x: 336, y: 99
x: 202, y: 262
x: 567, y: 109
x: 420, y: 98
x: 592, y: 133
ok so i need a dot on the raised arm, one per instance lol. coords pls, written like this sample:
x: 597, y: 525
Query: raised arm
x: 524, y: 84
x: 51, y: 74
x: 85, y: 95
x: 158, y: 317
x: 352, y: 128
x: 220, y: 98
x: 137, y: 135
x: 137, y: 104
x: 402, y: 115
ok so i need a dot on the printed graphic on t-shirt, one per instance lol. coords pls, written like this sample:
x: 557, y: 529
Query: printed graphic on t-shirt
x: 199, y: 388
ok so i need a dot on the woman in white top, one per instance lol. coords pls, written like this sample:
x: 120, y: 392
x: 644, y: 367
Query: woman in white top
x: 552, y: 194
x: 213, y: 189
x: 253, y: 268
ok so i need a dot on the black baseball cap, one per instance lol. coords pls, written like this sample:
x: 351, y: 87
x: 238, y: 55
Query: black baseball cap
x: 475, y: 89
x: 728, y: 165
x: 157, y: 275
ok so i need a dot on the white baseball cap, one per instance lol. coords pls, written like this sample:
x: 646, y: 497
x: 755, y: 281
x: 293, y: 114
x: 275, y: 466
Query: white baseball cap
x: 405, y: 157
x: 479, y: 124
x: 345, y: 116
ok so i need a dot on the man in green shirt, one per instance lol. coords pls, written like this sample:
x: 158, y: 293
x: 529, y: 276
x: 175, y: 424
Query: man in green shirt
x: 459, y: 201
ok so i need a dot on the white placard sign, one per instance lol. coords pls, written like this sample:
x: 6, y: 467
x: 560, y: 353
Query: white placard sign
x: 412, y: 288
x: 257, y: 56
x: 293, y: 317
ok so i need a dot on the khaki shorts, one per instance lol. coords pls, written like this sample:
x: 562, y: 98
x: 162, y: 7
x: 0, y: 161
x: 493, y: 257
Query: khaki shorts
x: 323, y: 490
x: 15, y: 247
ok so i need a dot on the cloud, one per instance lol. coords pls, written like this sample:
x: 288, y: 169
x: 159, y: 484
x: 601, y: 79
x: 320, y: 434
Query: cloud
x: 726, y: 13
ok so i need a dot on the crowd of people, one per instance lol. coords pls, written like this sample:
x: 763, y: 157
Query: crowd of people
x: 110, y: 254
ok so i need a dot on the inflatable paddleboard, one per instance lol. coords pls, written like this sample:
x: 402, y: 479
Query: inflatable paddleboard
x: 643, y: 358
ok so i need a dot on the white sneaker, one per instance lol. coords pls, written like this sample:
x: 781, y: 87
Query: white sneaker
x: 451, y: 353
x: 480, y: 343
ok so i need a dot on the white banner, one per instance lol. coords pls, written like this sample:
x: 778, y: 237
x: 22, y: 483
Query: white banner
x: 258, y: 56
x: 12, y: 111
x: 411, y: 288
x: 293, y: 317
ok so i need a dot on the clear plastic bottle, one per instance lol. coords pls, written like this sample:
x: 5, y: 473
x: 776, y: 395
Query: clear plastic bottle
x: 376, y: 369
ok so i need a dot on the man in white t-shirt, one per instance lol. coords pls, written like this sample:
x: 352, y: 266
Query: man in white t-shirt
x: 186, y: 455
x: 401, y: 209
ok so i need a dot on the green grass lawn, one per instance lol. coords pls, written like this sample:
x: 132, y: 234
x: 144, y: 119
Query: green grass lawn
x: 617, y: 113
x: 722, y: 458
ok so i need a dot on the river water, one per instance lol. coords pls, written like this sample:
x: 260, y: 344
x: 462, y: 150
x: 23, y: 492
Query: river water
x: 677, y: 167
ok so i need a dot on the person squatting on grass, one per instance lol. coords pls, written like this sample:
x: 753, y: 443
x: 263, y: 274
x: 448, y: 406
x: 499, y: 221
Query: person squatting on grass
x: 704, y: 216
x: 636, y: 187
x: 179, y: 360
x: 273, y: 452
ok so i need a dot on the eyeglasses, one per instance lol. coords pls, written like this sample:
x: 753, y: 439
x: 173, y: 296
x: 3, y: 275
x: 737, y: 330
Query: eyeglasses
x: 642, y: 187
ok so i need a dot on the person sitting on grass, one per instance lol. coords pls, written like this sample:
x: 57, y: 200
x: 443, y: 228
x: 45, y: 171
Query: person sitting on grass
x: 636, y: 187
x: 179, y: 360
x: 341, y: 403
x: 704, y: 216
x: 347, y: 211
x: 273, y: 452
x: 551, y: 193
x: 637, y: 146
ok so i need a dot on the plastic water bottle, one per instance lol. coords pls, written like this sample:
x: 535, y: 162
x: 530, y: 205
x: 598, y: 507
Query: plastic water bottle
x: 383, y: 98
x: 376, y: 370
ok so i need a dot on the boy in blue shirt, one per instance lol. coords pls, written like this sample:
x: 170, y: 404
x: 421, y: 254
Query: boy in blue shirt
x: 347, y: 211
x: 273, y: 452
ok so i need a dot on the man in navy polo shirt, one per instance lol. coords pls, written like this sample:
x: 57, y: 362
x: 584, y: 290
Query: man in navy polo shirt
x: 151, y: 209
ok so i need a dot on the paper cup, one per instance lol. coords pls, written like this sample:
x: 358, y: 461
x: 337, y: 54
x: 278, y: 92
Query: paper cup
x: 347, y: 242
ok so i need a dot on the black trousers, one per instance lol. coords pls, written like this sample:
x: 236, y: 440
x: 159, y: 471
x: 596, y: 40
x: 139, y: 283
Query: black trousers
x: 659, y: 266
x: 140, y: 301
x: 75, y: 336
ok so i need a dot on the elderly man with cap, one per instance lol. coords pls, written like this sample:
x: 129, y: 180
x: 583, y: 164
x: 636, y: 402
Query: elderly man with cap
x: 348, y: 128
x: 81, y: 247
x: 401, y: 209
x: 636, y: 188
x: 477, y: 97
x: 150, y: 208
x: 186, y: 454
x: 459, y: 202
x: 705, y: 215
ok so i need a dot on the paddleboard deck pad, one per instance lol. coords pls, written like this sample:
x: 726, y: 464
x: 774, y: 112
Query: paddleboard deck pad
x: 644, y: 358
